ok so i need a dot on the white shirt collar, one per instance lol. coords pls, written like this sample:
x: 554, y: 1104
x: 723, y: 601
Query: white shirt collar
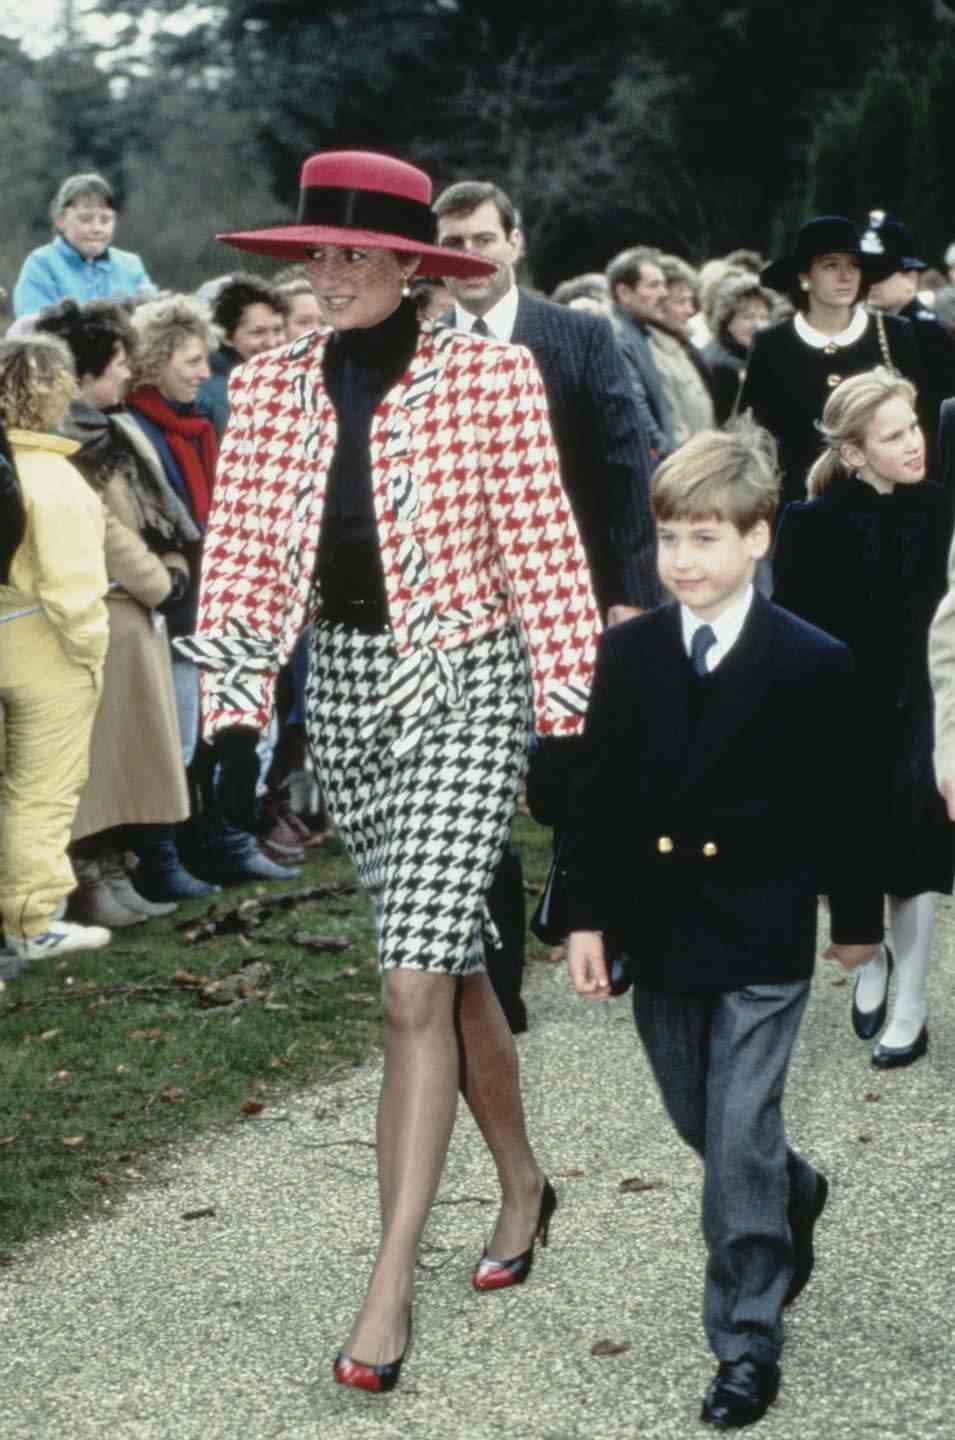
x: 727, y: 627
x: 500, y: 319
x: 854, y: 331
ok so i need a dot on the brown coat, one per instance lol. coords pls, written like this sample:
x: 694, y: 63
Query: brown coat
x: 136, y: 770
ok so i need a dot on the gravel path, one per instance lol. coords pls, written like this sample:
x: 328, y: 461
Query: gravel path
x: 146, y: 1326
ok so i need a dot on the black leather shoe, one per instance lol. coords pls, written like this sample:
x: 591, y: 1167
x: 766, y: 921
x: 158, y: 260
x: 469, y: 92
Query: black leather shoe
x: 868, y: 1023
x: 802, y: 1223
x: 740, y: 1393
x: 886, y: 1057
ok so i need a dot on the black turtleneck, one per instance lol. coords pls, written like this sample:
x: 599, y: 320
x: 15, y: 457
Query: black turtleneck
x: 360, y: 367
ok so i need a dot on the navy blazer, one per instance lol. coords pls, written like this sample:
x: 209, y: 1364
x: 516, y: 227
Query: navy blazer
x: 709, y: 814
x: 604, y: 454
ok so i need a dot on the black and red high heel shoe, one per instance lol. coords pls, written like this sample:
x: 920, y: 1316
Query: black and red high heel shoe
x: 492, y: 1274
x: 378, y: 1379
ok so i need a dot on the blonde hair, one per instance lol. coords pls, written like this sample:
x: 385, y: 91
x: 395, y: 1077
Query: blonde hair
x: 727, y: 474
x: 37, y: 382
x: 849, y: 412
x: 161, y: 327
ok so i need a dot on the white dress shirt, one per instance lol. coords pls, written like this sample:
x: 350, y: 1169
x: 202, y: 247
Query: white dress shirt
x: 726, y: 627
x: 500, y: 319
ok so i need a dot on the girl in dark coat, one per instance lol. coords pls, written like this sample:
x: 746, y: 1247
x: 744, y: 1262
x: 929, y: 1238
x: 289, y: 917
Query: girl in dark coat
x: 794, y: 366
x: 865, y: 559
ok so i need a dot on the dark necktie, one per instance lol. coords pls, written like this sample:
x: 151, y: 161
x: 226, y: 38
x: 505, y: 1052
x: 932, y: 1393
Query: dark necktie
x: 702, y: 643
x: 480, y: 327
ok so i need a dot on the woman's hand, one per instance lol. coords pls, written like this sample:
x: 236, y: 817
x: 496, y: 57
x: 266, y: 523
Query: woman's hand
x: 587, y: 964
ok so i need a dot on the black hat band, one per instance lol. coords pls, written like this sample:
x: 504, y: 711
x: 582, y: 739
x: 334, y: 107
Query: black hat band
x: 366, y: 210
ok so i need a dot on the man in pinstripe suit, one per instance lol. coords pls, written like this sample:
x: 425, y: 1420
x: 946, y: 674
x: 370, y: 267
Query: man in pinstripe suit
x: 604, y: 461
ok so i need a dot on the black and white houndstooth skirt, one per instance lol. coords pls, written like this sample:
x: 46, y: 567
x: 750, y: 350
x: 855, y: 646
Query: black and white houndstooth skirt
x: 422, y: 795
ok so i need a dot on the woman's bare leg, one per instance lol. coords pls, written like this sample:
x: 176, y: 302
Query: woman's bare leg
x: 415, y: 1119
x: 490, y: 1084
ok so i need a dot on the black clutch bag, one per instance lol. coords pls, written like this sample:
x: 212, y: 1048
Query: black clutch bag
x: 550, y: 923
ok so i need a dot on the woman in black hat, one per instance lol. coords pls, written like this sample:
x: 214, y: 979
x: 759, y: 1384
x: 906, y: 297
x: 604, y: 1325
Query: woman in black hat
x: 396, y: 482
x: 795, y: 365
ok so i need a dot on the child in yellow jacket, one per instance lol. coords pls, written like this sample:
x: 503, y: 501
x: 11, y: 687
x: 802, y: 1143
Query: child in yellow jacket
x: 53, y: 639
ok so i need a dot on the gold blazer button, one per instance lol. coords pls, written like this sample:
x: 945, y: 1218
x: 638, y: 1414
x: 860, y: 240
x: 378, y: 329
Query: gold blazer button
x: 665, y: 845
x: 833, y: 380
x: 830, y: 350
x: 710, y: 849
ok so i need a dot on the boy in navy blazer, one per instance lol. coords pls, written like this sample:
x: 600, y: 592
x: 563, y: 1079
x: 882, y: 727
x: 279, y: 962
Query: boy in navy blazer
x: 718, y: 798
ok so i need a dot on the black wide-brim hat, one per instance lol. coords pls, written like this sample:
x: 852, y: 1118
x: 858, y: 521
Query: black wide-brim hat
x: 826, y: 235
x: 369, y: 201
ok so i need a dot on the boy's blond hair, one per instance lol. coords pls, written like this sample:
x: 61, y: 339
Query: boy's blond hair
x: 720, y: 475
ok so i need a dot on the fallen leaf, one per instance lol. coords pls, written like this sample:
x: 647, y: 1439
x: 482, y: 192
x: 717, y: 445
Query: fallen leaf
x: 49, y: 1034
x: 144, y: 1034
x: 7, y: 1139
x: 174, y: 1096
x: 571, y: 1174
x: 189, y: 979
x: 121, y: 1069
x: 103, y: 1178
x: 636, y: 1186
x: 837, y: 984
x: 872, y: 1095
x: 205, y: 1212
x: 62, y: 1075
x: 610, y: 1347
x: 132, y: 1174
x: 277, y: 1063
x: 74, y: 1140
x: 7, y: 1259
x: 252, y: 1107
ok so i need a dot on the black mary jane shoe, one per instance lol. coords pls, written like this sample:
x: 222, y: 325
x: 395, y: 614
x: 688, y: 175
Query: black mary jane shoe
x: 740, y: 1393
x: 889, y: 1057
x: 868, y: 1023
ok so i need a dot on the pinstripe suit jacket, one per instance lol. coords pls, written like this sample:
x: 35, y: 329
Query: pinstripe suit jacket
x: 473, y: 526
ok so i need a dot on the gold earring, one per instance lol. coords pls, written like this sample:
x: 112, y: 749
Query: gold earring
x: 405, y: 286
x: 805, y: 284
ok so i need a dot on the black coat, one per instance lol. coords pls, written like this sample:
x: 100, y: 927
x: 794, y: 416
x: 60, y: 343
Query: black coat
x: 945, y: 458
x: 871, y: 570
x: 788, y: 383
x: 937, y: 349
x: 673, y: 764
x: 726, y: 361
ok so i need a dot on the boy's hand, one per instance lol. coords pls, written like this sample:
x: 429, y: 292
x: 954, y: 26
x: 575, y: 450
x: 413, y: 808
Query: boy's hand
x: 947, y: 788
x: 587, y: 964
x: 616, y: 614
x: 850, y: 957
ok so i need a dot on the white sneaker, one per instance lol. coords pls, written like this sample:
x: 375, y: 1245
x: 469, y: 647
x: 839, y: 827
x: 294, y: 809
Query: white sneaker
x: 62, y: 937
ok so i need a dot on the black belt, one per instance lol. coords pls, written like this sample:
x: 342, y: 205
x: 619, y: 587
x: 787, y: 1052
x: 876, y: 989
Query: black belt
x: 369, y: 616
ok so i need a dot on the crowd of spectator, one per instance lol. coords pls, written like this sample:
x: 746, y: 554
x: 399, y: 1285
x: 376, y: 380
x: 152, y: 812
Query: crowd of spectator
x: 115, y: 398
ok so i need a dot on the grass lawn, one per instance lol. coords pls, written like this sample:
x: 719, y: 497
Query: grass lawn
x: 110, y: 1055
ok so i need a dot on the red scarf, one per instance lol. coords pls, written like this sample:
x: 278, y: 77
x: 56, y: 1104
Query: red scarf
x: 192, y: 440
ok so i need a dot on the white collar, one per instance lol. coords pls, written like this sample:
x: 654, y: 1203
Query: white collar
x: 727, y: 627
x: 854, y: 331
x: 500, y: 319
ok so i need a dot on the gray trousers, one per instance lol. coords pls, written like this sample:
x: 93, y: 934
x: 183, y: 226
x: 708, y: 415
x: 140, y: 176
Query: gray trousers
x: 720, y: 1061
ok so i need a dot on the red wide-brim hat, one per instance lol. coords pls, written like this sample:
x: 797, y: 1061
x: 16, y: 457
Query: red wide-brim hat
x: 368, y: 201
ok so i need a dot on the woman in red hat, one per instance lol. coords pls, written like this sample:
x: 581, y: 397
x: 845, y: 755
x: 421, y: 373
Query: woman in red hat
x: 396, y: 482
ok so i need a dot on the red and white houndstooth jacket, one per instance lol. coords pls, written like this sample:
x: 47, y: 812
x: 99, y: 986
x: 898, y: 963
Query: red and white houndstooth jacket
x: 473, y: 525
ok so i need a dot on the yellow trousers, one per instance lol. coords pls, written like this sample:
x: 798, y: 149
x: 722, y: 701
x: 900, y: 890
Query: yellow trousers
x: 44, y: 762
